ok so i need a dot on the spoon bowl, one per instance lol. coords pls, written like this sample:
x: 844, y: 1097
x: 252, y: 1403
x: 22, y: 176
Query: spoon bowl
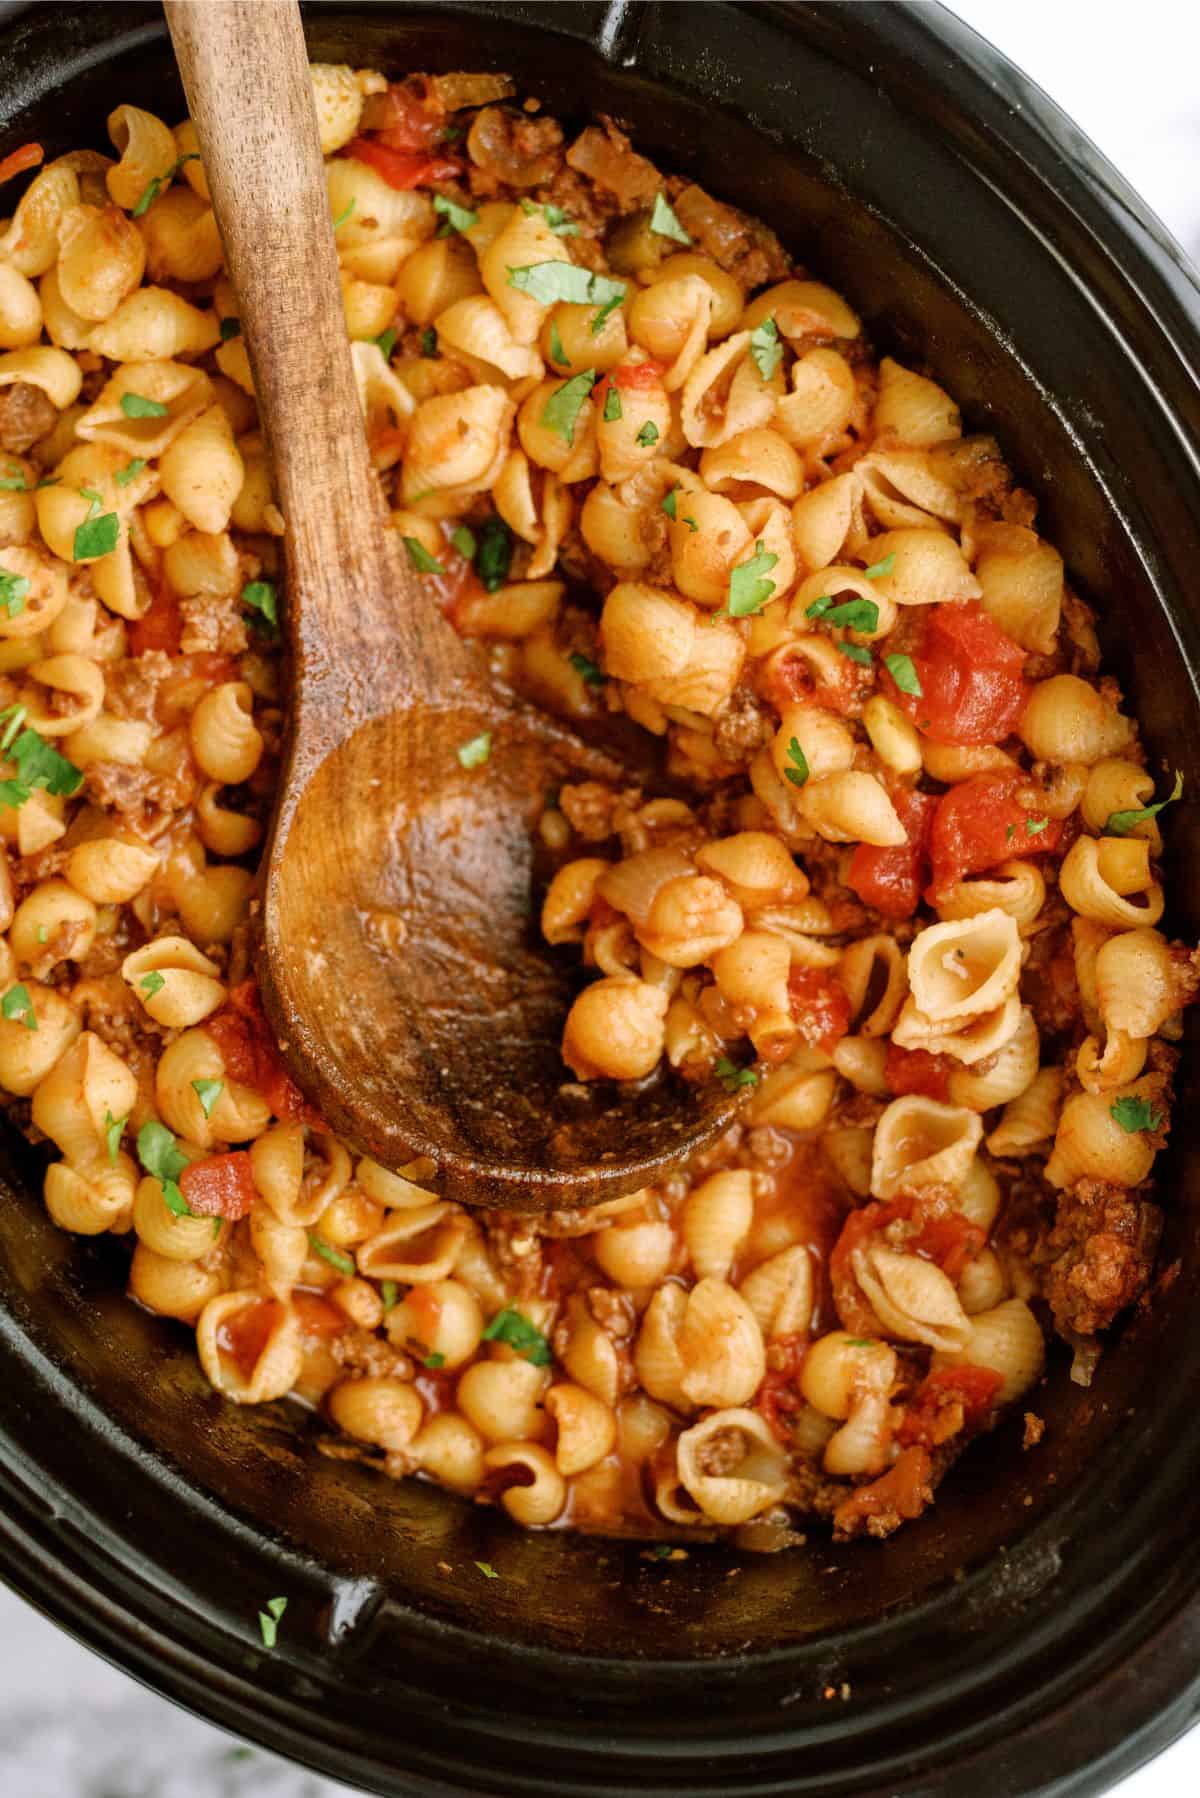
x: 400, y: 961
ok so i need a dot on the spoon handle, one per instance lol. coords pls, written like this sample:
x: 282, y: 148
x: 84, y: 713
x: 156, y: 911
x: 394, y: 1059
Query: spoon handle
x: 245, y: 71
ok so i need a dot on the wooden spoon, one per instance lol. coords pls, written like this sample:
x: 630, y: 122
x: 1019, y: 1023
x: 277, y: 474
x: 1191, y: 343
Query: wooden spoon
x: 400, y: 962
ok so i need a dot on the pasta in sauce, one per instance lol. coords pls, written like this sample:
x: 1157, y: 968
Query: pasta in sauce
x: 910, y: 912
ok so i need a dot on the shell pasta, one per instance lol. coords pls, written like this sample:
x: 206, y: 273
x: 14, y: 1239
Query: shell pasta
x: 900, y: 890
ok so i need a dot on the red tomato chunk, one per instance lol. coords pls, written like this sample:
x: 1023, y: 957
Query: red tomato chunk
x: 918, y: 1071
x: 220, y: 1186
x: 634, y: 375
x: 950, y: 1399
x: 891, y: 879
x: 248, y: 1050
x: 981, y: 822
x: 407, y: 117
x: 820, y: 1006
x: 403, y: 169
x: 971, y: 676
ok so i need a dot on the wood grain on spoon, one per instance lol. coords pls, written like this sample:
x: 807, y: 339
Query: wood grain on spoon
x: 400, y: 959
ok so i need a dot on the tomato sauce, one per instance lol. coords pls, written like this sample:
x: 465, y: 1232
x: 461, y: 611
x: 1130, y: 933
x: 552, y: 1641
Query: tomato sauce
x: 779, y: 1399
x: 404, y: 169
x: 918, y: 1071
x: 971, y: 677
x: 220, y: 1186
x: 939, y: 1235
x: 820, y: 1007
x: 949, y: 1400
x: 243, y: 1334
x: 903, y: 1491
x: 243, y: 1035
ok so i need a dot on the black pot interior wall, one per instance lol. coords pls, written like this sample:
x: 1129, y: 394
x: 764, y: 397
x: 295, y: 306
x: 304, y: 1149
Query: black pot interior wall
x: 893, y: 200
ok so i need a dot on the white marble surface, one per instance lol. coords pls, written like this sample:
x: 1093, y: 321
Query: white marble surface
x: 72, y: 1727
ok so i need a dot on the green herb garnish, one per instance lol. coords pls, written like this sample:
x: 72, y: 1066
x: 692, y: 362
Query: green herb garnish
x: 37, y: 764
x: 648, y: 435
x: 559, y: 222
x: 766, y: 351
x: 229, y: 329
x: 435, y: 1360
x: 155, y: 186
x: 208, y: 1092
x: 670, y: 503
x: 1121, y: 823
x: 1134, y: 1114
x: 261, y: 598
x: 453, y: 216
x: 389, y: 1292
x: 587, y: 670
x: 855, y: 614
x: 16, y: 1005
x: 550, y: 282
x: 14, y: 481
x: 613, y: 411
x: 878, y: 569
x: 420, y: 557
x: 136, y: 405
x: 561, y: 411
x: 514, y: 1328
x: 341, y: 218
x: 663, y: 222
x: 268, y: 1620
x: 429, y: 343
x: 386, y: 342
x: 130, y: 472
x: 749, y: 590
x: 475, y: 753
x: 96, y: 537
x: 161, y: 1159
x: 1035, y: 826
x: 557, y: 353
x: 113, y: 1129
x: 732, y: 1077
x: 152, y: 983
x: 854, y: 652
x: 487, y: 1570
x: 343, y: 1263
x: 903, y: 671
x: 798, y: 772
x: 463, y: 540
x: 495, y: 554
x: 14, y: 591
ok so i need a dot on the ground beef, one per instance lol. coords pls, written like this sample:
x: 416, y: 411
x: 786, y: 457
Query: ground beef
x: 361, y: 1353
x: 25, y: 416
x: 589, y: 809
x: 742, y: 729
x: 1102, y: 1249
x: 1035, y: 1429
x: 743, y: 246
x: 212, y: 625
x: 131, y: 687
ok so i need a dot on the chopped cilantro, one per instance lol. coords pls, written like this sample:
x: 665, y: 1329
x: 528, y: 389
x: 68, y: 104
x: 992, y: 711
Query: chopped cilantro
x: 435, y: 1360
x: 37, y: 764
x: 1010, y: 833
x: 475, y: 753
x: 429, y: 342
x: 663, y: 222
x: 386, y: 342
x: 487, y: 1570
x: 155, y: 186
x: 903, y: 671
x: 14, y: 591
x: 798, y: 772
x: 389, y: 1292
x: 463, y: 540
x: 854, y: 652
x: 733, y: 1078
x: 587, y: 670
x: 550, y: 282
x: 208, y: 1092
x: 766, y: 351
x: 648, y: 435
x: 1134, y: 1114
x: 1035, y: 826
x: 268, y: 1620
x: 230, y: 328
x: 113, y: 1129
x: 95, y: 537
x: 559, y: 222
x: 453, y: 216
x: 136, y: 405
x: 514, y: 1328
x: 17, y: 1005
x: 877, y: 570
x: 14, y: 481
x: 343, y: 1263
x: 161, y: 1159
x: 1121, y: 823
x: 261, y: 598
x: 342, y: 217
x: 690, y: 523
x: 495, y: 554
x: 130, y: 472
x: 152, y: 983
x: 662, y: 1551
x: 561, y: 411
x: 669, y: 504
x: 855, y: 614
x: 749, y: 589
x: 557, y: 353
x: 420, y: 557
x: 612, y: 407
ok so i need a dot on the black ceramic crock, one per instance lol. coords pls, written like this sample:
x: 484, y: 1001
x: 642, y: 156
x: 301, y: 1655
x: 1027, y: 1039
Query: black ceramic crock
x: 1039, y: 1631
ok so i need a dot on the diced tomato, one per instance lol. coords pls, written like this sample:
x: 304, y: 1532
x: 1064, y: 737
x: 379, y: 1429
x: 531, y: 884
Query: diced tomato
x: 220, y: 1186
x: 791, y: 680
x: 243, y: 1035
x: 403, y: 169
x: 243, y: 1334
x: 17, y: 161
x: 902, y: 1492
x: 456, y: 586
x: 820, y: 1006
x: 981, y: 822
x: 971, y: 676
x: 891, y: 879
x: 918, y: 1071
x: 779, y: 1397
x: 632, y: 376
x: 949, y: 1400
x: 945, y: 1237
x: 159, y: 628
x: 407, y: 117
x: 317, y: 1316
